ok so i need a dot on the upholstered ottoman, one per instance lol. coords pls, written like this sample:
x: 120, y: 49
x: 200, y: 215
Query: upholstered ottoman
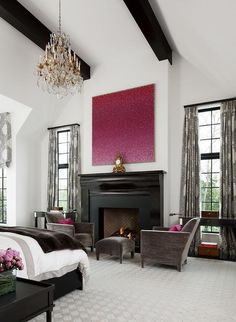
x: 115, y: 246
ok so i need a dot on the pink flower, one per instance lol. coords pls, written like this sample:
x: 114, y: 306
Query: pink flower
x: 10, y: 259
x: 8, y: 265
x: 16, y: 253
x: 2, y: 252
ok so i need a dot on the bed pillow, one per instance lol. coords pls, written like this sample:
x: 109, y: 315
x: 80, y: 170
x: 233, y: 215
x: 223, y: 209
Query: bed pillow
x: 67, y: 221
x: 175, y: 227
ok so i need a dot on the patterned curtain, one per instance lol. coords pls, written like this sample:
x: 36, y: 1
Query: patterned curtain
x: 74, y: 169
x: 228, y: 177
x: 52, y: 169
x: 190, y: 174
x: 5, y: 140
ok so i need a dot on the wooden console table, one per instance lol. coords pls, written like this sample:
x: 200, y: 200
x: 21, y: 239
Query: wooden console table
x: 30, y: 299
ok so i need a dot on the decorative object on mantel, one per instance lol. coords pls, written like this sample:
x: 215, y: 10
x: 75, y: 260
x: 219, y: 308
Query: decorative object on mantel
x: 124, y: 121
x: 119, y: 164
x: 58, y: 70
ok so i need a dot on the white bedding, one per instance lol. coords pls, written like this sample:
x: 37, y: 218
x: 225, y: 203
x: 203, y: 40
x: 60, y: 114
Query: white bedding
x: 39, y: 265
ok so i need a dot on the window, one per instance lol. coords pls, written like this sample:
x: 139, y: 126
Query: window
x: 3, y: 196
x: 63, y: 168
x: 209, y: 141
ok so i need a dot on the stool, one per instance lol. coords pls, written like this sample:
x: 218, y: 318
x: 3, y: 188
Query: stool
x: 115, y: 246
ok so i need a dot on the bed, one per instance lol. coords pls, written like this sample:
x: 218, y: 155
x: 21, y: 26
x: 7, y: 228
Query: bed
x: 66, y: 268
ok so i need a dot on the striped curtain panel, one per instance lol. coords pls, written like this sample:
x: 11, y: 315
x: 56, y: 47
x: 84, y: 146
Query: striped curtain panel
x: 52, y: 169
x: 190, y: 172
x: 74, y: 193
x: 228, y: 177
x: 5, y: 140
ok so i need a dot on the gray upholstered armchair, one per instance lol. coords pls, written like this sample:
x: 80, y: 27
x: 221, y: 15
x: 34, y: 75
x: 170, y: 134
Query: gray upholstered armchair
x: 84, y: 232
x: 166, y: 247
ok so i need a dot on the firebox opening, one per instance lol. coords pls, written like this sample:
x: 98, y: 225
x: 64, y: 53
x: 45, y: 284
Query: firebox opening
x: 118, y: 219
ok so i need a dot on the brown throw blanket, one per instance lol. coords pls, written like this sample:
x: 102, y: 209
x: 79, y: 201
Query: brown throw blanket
x: 48, y: 240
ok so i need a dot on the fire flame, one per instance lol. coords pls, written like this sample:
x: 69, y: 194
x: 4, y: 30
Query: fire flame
x: 122, y: 231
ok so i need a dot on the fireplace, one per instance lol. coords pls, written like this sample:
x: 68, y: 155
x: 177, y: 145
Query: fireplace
x: 114, y: 219
x: 116, y: 200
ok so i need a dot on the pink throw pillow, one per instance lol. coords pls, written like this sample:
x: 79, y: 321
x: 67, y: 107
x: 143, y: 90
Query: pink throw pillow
x: 67, y: 221
x: 175, y: 228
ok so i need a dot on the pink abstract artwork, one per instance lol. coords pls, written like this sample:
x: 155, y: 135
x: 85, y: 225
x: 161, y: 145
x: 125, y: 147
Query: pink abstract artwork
x: 124, y: 122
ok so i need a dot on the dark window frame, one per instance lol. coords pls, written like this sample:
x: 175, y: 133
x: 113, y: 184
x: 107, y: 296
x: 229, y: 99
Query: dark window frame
x: 210, y: 156
x: 62, y: 166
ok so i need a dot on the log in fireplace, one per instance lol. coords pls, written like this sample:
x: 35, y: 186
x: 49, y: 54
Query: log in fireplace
x: 133, y: 197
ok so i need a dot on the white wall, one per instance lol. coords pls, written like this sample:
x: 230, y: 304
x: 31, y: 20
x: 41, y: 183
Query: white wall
x: 19, y: 114
x: 175, y: 86
x: 187, y: 85
x: 18, y: 59
x: 114, y: 77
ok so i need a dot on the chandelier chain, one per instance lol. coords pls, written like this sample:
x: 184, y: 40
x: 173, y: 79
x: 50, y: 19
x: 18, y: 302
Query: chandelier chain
x: 59, y: 22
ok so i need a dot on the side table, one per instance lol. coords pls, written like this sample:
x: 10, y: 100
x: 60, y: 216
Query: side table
x: 30, y: 299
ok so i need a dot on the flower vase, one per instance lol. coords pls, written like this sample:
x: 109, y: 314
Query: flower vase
x: 7, y: 281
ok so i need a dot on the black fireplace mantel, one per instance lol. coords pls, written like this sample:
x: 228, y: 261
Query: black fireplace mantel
x: 143, y: 190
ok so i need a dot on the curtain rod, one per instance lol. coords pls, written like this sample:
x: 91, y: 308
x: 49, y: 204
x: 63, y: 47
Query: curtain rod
x: 211, y: 102
x: 58, y: 127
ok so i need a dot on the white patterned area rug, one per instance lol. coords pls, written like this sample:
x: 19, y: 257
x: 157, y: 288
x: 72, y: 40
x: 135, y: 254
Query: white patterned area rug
x: 204, y: 291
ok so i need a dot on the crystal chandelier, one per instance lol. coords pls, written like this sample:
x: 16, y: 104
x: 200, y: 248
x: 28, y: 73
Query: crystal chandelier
x: 58, y: 70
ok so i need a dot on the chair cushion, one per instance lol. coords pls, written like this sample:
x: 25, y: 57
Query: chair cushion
x: 54, y: 217
x: 67, y: 221
x: 176, y: 227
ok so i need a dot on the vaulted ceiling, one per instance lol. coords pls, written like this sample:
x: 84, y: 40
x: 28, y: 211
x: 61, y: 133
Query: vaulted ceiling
x: 202, y: 32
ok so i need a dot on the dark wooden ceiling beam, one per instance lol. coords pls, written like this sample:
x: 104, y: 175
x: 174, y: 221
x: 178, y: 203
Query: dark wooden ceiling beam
x: 143, y: 14
x: 21, y: 19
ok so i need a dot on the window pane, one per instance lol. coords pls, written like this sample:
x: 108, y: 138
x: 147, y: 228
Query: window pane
x: 215, y: 116
x: 206, y: 206
x: 215, y: 229
x: 62, y: 137
x: 63, y: 204
x: 206, y: 229
x: 215, y: 194
x: 216, y: 165
x: 205, y: 166
x: 205, y: 146
x: 205, y: 132
x: 206, y: 194
x: 206, y: 180
x: 62, y: 194
x: 216, y: 145
x: 216, y: 206
x: 204, y: 118
x: 216, y: 131
x: 63, y: 158
x: 63, y: 184
x: 63, y: 173
x: 215, y: 180
x: 63, y: 148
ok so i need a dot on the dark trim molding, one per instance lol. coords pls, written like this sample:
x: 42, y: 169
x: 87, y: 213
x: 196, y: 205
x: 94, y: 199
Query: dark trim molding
x: 143, y: 14
x: 21, y: 19
x: 61, y: 126
x: 212, y: 102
